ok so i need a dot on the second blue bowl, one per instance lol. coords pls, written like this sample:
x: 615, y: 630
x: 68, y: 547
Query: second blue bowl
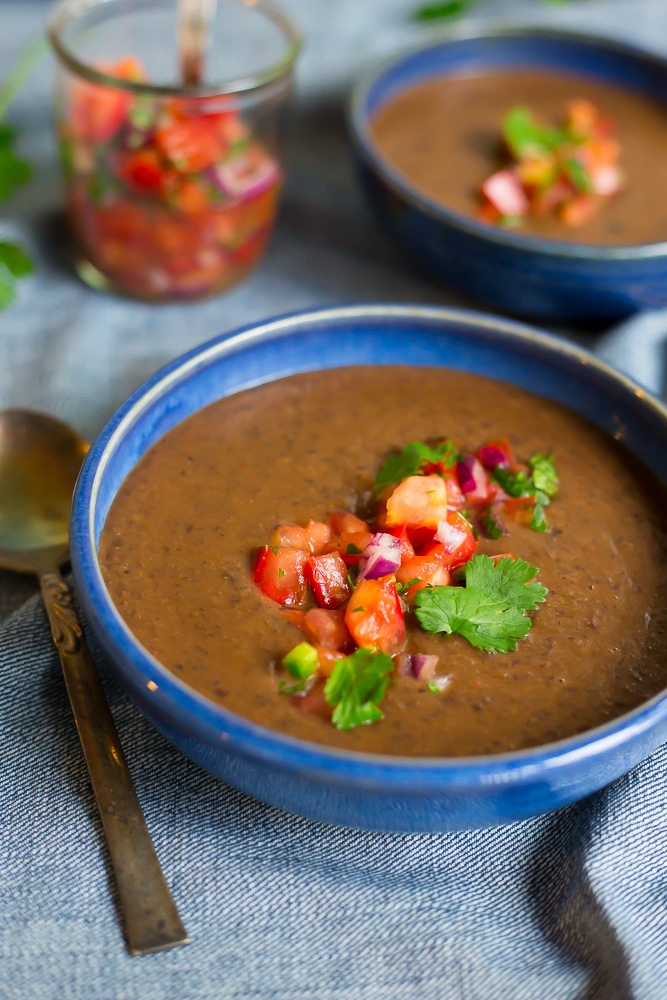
x: 517, y: 274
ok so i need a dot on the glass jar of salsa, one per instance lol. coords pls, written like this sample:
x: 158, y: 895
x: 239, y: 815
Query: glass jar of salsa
x: 171, y: 189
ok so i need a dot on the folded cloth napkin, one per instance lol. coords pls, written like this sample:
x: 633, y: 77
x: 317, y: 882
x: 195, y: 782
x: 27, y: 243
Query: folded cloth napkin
x: 638, y: 348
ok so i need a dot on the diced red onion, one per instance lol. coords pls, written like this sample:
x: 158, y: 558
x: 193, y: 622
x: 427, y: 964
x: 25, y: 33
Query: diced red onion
x: 246, y: 176
x: 493, y: 457
x: 420, y: 665
x: 381, y: 557
x: 450, y: 536
x: 472, y: 476
x: 503, y: 189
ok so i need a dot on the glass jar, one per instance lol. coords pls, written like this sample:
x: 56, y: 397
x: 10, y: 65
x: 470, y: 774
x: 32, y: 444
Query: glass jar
x: 172, y: 189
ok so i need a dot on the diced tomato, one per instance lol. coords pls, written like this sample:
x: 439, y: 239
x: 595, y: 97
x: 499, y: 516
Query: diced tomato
x: 295, y: 616
x: 582, y: 116
x: 421, y: 538
x: 327, y: 659
x: 578, y: 210
x: 191, y: 198
x: 343, y: 522
x: 374, y: 615
x: 280, y: 573
x: 144, y: 171
x: 418, y: 502
x: 455, y: 497
x: 352, y: 544
x: 97, y: 112
x: 327, y: 629
x: 428, y: 569
x: 519, y: 508
x: 191, y: 144
x: 328, y: 577
x: 314, y: 538
x: 502, y: 555
x: 456, y: 535
x: 401, y: 532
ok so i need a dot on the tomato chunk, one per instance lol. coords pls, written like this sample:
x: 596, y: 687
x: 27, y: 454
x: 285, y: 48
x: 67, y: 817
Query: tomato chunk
x: 418, y: 502
x: 456, y: 535
x: 374, y: 615
x: 344, y: 523
x: 280, y: 573
x: 326, y: 629
x: 314, y: 538
x: 428, y: 570
x: 328, y: 577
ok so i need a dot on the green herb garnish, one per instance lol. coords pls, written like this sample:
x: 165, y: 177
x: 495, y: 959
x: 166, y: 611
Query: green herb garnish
x: 525, y: 137
x: 490, y: 524
x: 544, y: 475
x: 411, y: 459
x: 356, y: 686
x: 490, y: 610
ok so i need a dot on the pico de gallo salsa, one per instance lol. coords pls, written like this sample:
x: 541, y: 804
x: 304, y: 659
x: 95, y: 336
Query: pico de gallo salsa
x: 168, y: 197
x: 351, y: 584
x: 569, y: 171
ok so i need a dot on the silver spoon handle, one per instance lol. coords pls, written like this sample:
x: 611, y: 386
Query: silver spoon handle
x: 151, y: 919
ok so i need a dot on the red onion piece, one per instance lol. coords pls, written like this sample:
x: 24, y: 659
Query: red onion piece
x: 381, y: 557
x: 424, y: 666
x: 245, y: 176
x: 503, y: 189
x: 472, y: 477
x: 493, y: 457
x: 450, y: 536
x: 420, y: 665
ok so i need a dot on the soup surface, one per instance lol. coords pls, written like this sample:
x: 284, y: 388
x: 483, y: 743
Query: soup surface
x: 178, y: 544
x: 444, y: 137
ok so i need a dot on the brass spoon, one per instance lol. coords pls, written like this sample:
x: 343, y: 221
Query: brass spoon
x: 40, y: 459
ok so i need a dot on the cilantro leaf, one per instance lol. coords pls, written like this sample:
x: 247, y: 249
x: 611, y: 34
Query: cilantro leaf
x: 578, y: 174
x: 490, y: 611
x: 356, y: 686
x: 444, y: 9
x: 491, y: 525
x: 543, y: 474
x: 13, y: 171
x: 525, y: 137
x: 515, y: 484
x: 538, y: 522
x: 14, y: 263
x: 411, y: 458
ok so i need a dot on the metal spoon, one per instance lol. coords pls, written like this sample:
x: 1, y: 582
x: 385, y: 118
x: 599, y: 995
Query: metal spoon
x: 40, y: 459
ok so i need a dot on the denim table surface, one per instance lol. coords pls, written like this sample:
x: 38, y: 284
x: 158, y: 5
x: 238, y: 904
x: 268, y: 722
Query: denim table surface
x: 569, y: 905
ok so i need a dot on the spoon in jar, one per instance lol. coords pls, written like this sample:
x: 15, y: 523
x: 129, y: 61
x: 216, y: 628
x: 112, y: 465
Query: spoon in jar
x: 40, y: 459
x: 195, y: 18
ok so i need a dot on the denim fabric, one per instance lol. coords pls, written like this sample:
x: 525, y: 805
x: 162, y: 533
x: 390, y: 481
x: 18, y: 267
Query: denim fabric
x: 567, y: 906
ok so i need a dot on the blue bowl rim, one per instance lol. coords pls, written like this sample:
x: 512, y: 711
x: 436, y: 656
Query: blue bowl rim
x: 257, y: 741
x: 469, y: 31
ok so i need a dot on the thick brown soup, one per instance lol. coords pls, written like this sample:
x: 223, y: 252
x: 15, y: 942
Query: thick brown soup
x: 179, y: 540
x: 443, y: 136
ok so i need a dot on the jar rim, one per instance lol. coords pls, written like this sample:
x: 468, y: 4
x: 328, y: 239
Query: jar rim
x: 67, y: 10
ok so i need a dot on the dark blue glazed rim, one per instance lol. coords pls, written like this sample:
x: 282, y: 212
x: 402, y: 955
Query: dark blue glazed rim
x: 380, y: 792
x: 474, y: 48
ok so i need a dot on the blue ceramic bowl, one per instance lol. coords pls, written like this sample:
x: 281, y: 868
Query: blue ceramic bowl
x: 517, y: 274
x: 354, y: 789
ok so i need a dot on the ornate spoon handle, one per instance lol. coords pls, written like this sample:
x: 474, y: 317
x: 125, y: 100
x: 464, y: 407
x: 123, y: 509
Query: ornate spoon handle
x: 151, y: 919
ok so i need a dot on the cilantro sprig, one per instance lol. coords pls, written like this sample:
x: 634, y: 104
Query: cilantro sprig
x: 490, y: 610
x: 541, y: 483
x: 356, y: 686
x: 14, y: 171
x: 412, y: 459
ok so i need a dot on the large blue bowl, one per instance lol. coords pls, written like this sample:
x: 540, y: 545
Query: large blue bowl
x: 354, y: 789
x: 518, y: 274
